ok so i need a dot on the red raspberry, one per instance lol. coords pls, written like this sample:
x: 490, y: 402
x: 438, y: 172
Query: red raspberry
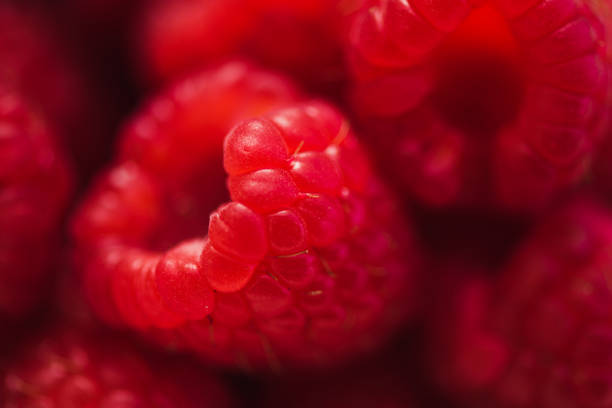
x: 150, y: 195
x: 36, y: 62
x: 540, y: 336
x: 310, y: 263
x: 65, y: 368
x: 296, y: 36
x: 500, y: 102
x: 35, y: 184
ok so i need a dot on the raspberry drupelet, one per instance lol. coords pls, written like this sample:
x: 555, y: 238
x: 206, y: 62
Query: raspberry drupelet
x: 35, y: 185
x: 496, y: 103
x: 65, y: 368
x: 540, y: 336
x: 308, y: 264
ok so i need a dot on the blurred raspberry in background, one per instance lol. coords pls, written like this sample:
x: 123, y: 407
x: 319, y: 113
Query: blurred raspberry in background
x: 539, y: 333
x: 500, y: 104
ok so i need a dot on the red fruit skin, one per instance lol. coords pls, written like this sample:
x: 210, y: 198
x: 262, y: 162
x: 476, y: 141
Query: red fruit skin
x: 35, y: 185
x: 539, y: 335
x: 46, y: 71
x: 300, y: 38
x: 309, y: 264
x: 495, y: 104
x: 69, y: 368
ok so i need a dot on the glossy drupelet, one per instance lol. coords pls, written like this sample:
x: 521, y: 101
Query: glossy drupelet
x: 66, y: 368
x: 541, y: 335
x: 310, y: 263
x: 35, y: 185
x: 498, y: 103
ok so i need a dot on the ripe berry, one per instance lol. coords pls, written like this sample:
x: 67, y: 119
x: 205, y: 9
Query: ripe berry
x: 499, y: 102
x: 150, y: 197
x: 540, y: 334
x: 65, y: 368
x: 309, y: 263
x: 35, y: 184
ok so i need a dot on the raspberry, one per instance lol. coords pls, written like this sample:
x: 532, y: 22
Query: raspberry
x: 496, y: 103
x: 309, y: 264
x: 66, y: 368
x: 35, y: 185
x: 37, y: 63
x: 539, y: 335
x: 151, y: 196
x: 297, y: 37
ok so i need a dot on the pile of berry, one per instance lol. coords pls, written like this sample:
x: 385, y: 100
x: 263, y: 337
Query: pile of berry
x: 306, y: 203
